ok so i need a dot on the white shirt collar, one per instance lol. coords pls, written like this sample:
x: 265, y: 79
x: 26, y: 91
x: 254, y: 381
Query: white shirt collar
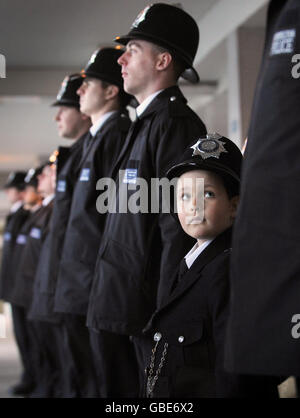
x: 195, y: 252
x: 16, y: 206
x: 142, y: 107
x: 47, y: 200
x: 100, y: 122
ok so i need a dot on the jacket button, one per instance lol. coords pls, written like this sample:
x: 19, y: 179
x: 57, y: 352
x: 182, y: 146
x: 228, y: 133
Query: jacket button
x: 181, y: 339
x: 173, y: 98
x: 157, y: 336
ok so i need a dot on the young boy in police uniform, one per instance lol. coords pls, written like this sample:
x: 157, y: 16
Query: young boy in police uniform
x: 182, y: 351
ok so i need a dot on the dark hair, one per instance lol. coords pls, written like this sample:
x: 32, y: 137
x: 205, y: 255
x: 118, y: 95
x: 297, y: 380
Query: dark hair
x: 123, y: 97
x: 178, y: 64
x: 231, y: 186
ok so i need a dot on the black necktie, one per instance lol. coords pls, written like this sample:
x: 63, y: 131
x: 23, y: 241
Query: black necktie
x: 87, y: 142
x: 183, y: 268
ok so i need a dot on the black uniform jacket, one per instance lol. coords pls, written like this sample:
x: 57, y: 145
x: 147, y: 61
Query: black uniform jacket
x: 25, y: 273
x: 14, y: 222
x: 68, y: 168
x: 140, y: 248
x: 192, y: 321
x: 19, y: 246
x: 263, y: 327
x: 85, y: 225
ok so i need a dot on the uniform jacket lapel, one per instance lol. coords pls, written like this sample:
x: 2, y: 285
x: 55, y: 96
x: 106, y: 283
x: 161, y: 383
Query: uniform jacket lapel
x: 154, y: 106
x: 220, y: 244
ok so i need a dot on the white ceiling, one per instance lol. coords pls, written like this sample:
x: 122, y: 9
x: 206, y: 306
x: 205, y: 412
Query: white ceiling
x: 63, y: 33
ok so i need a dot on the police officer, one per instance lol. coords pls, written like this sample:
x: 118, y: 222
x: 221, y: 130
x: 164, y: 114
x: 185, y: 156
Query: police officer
x: 46, y: 370
x: 103, y: 99
x: 22, y: 329
x: 141, y: 250
x: 14, y: 189
x: 73, y: 125
x: 265, y: 258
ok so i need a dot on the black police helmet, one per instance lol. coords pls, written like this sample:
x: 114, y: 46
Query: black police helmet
x: 104, y: 66
x: 169, y: 27
x: 214, y: 153
x: 67, y: 95
x: 31, y: 178
x: 15, y: 180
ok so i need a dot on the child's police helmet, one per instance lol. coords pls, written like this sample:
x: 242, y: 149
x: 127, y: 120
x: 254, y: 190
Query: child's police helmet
x: 169, y: 27
x: 214, y: 153
x: 67, y: 95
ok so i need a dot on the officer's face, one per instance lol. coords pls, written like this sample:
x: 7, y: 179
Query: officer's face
x: 92, y: 96
x: 13, y: 195
x: 69, y: 121
x: 45, y: 181
x: 31, y: 196
x: 204, y: 208
x: 139, y: 71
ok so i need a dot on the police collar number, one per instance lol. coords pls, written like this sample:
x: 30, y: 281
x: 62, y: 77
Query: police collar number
x: 35, y: 233
x: 7, y: 236
x: 21, y: 239
x: 283, y: 42
x: 85, y: 174
x: 130, y: 176
x: 61, y: 186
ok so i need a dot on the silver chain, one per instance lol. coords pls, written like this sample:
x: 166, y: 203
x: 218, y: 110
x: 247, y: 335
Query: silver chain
x: 151, y: 381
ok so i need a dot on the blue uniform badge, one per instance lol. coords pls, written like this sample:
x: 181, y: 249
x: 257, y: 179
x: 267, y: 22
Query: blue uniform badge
x: 130, y: 175
x: 61, y: 186
x: 21, y: 239
x: 283, y: 42
x: 85, y: 174
x: 35, y: 233
x: 7, y: 236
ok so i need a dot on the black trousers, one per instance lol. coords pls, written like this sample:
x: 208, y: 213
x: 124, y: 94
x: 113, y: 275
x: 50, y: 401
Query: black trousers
x: 48, y: 360
x: 24, y: 336
x: 79, y: 374
x: 116, y: 365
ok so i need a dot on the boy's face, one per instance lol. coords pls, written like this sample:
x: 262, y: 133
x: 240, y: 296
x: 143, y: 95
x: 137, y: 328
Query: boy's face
x: 204, y: 208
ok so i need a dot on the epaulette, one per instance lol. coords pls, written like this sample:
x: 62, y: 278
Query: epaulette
x: 124, y: 122
x: 177, y: 107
